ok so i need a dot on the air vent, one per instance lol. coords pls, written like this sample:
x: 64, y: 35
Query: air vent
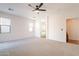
x: 10, y: 9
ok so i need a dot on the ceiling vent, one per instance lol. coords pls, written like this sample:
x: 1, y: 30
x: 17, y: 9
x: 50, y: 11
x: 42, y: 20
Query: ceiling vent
x: 10, y: 9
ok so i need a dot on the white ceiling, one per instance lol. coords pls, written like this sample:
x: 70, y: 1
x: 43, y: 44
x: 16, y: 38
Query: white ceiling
x: 22, y: 9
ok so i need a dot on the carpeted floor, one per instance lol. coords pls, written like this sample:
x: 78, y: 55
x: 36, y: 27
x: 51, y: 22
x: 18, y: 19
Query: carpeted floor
x: 38, y: 47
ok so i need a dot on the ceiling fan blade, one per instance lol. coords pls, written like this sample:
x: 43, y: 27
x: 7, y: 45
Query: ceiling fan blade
x: 41, y: 9
x: 40, y: 5
x: 31, y: 6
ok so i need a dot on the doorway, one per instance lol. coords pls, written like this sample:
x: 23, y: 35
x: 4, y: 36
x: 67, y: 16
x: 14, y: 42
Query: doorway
x: 43, y: 29
x: 40, y: 28
x: 72, y: 30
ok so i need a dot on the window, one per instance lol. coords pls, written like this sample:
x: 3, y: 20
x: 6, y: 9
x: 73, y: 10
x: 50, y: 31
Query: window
x: 31, y: 27
x: 5, y: 25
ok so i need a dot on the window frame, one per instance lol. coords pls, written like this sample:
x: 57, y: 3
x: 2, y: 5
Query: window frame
x: 5, y: 25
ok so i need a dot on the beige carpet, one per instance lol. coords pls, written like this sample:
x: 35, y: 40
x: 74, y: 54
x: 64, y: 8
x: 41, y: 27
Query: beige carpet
x: 38, y: 47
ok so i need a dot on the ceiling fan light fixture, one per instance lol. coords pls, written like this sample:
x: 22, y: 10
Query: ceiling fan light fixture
x: 36, y: 11
x: 37, y: 8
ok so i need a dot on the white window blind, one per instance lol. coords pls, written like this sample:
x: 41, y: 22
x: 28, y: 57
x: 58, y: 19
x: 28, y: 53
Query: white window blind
x: 5, y: 25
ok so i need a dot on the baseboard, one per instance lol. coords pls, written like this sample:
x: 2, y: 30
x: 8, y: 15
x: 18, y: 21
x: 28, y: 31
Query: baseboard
x: 73, y: 41
x: 16, y: 40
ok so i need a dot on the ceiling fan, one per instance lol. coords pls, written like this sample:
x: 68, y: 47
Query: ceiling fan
x: 37, y: 7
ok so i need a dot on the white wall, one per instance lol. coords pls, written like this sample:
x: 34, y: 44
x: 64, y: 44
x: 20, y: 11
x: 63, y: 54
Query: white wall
x: 37, y: 28
x: 57, y: 15
x: 19, y: 28
x: 56, y: 22
x: 60, y: 28
x: 50, y: 28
